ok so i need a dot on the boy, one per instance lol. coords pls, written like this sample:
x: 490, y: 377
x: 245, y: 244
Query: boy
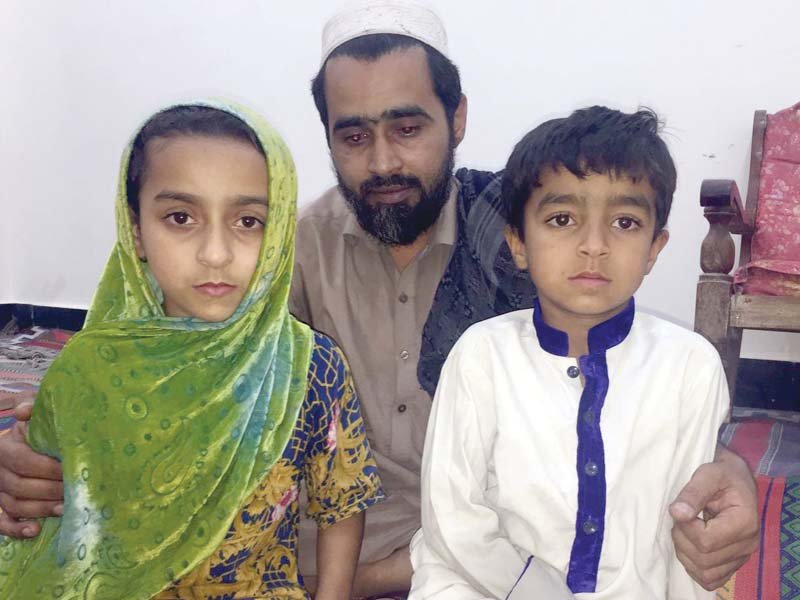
x: 563, y: 432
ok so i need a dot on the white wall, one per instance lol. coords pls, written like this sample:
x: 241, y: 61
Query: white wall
x: 77, y: 77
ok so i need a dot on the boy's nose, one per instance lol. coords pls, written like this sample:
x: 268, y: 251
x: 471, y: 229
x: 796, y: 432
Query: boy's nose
x: 216, y: 248
x: 384, y: 159
x: 594, y: 243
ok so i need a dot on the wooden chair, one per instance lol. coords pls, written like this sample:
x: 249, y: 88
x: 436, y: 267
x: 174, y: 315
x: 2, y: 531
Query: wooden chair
x: 722, y: 313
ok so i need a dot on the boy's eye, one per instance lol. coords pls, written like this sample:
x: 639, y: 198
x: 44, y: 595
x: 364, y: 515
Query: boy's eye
x: 251, y: 222
x: 179, y: 218
x: 560, y: 220
x: 626, y: 223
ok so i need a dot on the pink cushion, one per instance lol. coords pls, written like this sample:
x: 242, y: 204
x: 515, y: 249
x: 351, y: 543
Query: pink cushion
x: 774, y: 266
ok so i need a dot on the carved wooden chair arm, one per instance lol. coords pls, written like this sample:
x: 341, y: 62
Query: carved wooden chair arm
x: 722, y: 208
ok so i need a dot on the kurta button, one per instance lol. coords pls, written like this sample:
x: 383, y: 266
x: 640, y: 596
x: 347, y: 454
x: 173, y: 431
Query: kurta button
x: 401, y: 408
x: 404, y: 354
x: 573, y: 371
x: 588, y: 416
x: 589, y: 527
x: 591, y: 468
x: 403, y: 298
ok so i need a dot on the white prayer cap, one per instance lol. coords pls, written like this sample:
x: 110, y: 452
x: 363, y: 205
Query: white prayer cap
x: 384, y: 16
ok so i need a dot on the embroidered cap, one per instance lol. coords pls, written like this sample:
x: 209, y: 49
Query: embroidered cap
x: 384, y: 16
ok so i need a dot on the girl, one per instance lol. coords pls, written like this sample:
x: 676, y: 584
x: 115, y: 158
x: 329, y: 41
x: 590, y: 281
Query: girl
x: 192, y: 405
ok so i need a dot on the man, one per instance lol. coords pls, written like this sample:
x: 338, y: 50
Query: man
x: 394, y: 264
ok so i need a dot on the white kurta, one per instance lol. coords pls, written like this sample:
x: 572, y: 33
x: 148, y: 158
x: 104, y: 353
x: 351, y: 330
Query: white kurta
x: 500, y: 481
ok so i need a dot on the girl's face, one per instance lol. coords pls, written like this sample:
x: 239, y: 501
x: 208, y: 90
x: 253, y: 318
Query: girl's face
x: 202, y: 210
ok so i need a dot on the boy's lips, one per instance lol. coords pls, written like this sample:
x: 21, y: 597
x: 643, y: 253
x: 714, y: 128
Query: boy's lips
x: 215, y: 290
x: 590, y: 279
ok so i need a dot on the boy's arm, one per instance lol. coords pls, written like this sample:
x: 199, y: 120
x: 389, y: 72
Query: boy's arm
x: 713, y: 550
x: 338, y: 547
x: 702, y: 410
x: 462, y: 551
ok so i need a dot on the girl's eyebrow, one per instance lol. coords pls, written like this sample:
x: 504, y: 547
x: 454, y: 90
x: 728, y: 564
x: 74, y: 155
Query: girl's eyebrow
x: 170, y: 195
x: 239, y: 200
x: 247, y: 200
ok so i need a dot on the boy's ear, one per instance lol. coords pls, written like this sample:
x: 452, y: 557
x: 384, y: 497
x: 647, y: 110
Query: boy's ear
x: 655, y: 248
x: 517, y: 247
x: 137, y: 236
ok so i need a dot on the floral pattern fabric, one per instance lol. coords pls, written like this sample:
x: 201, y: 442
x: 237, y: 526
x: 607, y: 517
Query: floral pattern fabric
x: 329, y: 450
x: 774, y: 268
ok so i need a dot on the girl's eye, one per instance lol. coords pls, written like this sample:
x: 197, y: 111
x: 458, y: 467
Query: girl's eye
x: 179, y: 218
x: 626, y: 223
x: 251, y: 222
x: 560, y: 220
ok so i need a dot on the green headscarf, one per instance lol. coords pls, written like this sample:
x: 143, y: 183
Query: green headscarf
x: 164, y: 426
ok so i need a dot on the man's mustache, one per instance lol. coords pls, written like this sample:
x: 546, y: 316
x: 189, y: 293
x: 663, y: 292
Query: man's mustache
x: 377, y: 182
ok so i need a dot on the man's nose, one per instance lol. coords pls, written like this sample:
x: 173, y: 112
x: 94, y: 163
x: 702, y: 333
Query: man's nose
x: 384, y: 159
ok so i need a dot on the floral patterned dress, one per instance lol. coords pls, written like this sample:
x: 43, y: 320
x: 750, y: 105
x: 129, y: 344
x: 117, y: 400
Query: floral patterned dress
x: 329, y: 450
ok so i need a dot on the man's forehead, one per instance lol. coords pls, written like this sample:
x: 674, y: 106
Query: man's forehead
x: 373, y: 88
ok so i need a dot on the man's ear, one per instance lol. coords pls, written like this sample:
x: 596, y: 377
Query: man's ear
x: 655, y: 249
x: 517, y: 247
x: 460, y: 120
x: 137, y: 236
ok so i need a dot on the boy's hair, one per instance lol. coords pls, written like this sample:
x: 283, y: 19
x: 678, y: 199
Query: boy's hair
x: 444, y: 74
x: 182, y: 121
x: 591, y: 140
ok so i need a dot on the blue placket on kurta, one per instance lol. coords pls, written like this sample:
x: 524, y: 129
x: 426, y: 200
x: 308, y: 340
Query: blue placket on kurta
x: 590, y: 460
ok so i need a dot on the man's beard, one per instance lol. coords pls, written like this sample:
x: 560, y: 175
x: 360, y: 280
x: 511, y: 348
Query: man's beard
x: 400, y: 224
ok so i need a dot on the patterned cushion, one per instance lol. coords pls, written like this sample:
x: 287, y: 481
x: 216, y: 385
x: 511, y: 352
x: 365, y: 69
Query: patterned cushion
x: 774, y: 268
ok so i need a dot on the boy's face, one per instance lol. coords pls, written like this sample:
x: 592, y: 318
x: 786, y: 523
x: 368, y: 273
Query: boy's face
x: 588, y: 244
x: 203, y: 206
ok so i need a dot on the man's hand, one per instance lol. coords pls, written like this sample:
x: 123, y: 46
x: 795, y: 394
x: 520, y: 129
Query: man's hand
x: 713, y: 549
x: 30, y: 483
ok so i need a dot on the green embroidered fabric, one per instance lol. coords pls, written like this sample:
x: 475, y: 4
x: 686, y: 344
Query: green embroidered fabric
x: 164, y: 426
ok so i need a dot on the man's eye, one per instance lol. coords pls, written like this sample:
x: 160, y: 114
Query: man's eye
x: 560, y: 220
x: 626, y: 223
x: 408, y: 131
x: 251, y: 222
x: 355, y: 138
x: 178, y: 218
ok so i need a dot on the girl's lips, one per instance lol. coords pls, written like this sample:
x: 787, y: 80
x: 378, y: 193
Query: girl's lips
x: 215, y: 290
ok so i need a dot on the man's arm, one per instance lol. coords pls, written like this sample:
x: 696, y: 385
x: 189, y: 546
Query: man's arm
x: 714, y: 549
x: 337, y: 555
x: 30, y: 483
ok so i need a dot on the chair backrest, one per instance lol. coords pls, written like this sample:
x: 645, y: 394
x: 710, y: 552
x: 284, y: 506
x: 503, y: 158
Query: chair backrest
x: 769, y: 224
x: 770, y: 261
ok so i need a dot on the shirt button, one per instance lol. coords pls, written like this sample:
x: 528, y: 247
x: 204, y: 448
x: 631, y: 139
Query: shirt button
x: 588, y: 416
x: 591, y: 468
x: 589, y: 527
x: 403, y: 298
x: 401, y: 408
x: 404, y: 354
x: 573, y: 371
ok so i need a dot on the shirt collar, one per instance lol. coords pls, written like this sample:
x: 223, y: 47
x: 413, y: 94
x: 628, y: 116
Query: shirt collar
x: 443, y: 231
x: 602, y: 336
